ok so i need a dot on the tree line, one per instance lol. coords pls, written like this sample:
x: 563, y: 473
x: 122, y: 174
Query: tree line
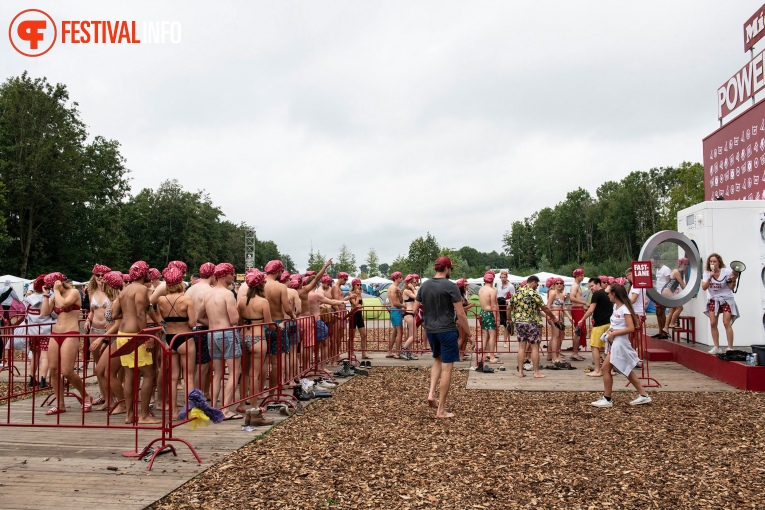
x: 605, y: 232
x: 65, y: 200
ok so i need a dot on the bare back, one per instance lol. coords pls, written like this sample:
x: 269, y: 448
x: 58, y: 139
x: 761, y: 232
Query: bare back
x: 133, y: 302
x: 294, y: 298
x: 218, y: 304
x: 576, y: 294
x: 278, y: 300
x: 197, y: 293
x: 487, y: 296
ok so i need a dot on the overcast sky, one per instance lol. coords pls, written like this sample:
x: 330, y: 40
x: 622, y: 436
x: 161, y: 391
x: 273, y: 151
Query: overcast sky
x: 369, y: 123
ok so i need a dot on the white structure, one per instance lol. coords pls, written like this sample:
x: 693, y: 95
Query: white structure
x: 735, y: 230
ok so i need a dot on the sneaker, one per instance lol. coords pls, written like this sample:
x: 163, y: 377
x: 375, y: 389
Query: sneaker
x: 603, y: 402
x: 641, y: 400
x: 527, y: 367
x: 411, y: 356
x: 714, y: 350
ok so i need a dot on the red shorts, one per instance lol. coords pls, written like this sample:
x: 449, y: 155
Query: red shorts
x: 724, y: 308
x: 39, y: 343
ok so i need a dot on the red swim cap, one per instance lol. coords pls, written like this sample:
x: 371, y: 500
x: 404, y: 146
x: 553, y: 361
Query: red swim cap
x: 326, y: 279
x: 255, y: 278
x: 223, y: 269
x: 180, y: 265
x: 138, y: 270
x: 113, y: 279
x: 206, y: 270
x: 173, y: 275
x: 100, y: 269
x: 284, y: 278
x: 274, y: 267
x: 154, y: 274
x: 488, y: 277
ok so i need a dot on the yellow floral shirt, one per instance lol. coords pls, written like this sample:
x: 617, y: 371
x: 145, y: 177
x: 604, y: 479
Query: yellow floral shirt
x: 527, y: 303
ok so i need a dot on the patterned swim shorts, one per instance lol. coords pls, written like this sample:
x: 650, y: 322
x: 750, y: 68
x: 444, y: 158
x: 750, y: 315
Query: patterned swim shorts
x: 724, y: 308
x: 487, y: 320
x: 528, y: 333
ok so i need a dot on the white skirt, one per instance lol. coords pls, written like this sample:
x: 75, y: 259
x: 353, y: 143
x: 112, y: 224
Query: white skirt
x: 623, y: 357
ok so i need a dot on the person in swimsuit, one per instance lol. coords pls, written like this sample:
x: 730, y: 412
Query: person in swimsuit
x: 62, y: 352
x: 357, y: 315
x: 409, y: 295
x: 464, y: 344
x: 307, y: 327
x: 95, y: 324
x: 487, y: 297
x: 556, y: 300
x: 719, y: 282
x: 40, y: 334
x: 278, y: 300
x: 578, y: 307
x: 197, y: 292
x: 108, y: 369
x: 254, y: 312
x: 396, y: 307
x: 177, y: 310
x: 674, y: 284
x: 620, y: 355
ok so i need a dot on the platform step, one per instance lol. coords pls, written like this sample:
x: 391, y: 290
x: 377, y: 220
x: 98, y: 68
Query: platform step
x: 659, y: 355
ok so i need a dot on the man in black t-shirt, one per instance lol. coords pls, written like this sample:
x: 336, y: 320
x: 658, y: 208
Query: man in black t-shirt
x: 442, y: 308
x: 600, y: 309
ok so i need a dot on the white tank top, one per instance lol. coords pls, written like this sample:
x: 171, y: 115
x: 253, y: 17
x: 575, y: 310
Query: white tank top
x: 718, y: 288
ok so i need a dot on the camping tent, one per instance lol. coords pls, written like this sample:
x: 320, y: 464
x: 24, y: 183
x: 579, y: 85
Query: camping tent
x: 16, y: 282
x: 376, y: 280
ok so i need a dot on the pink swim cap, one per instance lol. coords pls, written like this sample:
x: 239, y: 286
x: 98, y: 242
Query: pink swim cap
x: 296, y: 281
x: 488, y: 277
x: 396, y: 275
x: 113, y: 279
x: 461, y: 283
x: 550, y: 282
x: 342, y: 275
x: 255, y: 278
x: 206, y: 270
x: 100, y: 269
x: 326, y: 279
x: 154, y: 274
x: 224, y: 269
x: 138, y: 270
x: 180, y: 265
x: 51, y: 278
x: 578, y: 272
x: 285, y: 277
x: 172, y: 275
x: 274, y: 267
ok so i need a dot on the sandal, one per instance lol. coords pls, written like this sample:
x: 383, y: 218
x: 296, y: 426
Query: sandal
x: 87, y: 406
x: 576, y: 357
x: 99, y: 401
x: 55, y: 410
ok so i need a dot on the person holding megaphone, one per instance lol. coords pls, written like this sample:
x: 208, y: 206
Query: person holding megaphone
x: 719, y: 281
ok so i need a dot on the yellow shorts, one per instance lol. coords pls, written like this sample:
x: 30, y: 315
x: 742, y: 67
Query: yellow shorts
x: 596, y: 333
x: 144, y: 356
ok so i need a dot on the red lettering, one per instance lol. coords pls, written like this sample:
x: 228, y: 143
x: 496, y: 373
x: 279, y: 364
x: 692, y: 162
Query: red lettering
x: 64, y: 30
x: 29, y: 30
x: 124, y: 32
x: 112, y: 34
x: 134, y: 39
x: 96, y: 27
x: 86, y: 34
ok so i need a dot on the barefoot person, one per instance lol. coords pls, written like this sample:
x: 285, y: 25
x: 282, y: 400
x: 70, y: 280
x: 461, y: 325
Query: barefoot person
x: 38, y: 327
x: 338, y: 325
x: 254, y: 311
x: 62, y: 351
x: 409, y: 294
x: 487, y: 297
x: 279, y: 303
x: 556, y: 300
x: 357, y: 316
x: 621, y: 356
x: 108, y: 368
x: 464, y: 345
x: 526, y: 304
x: 197, y: 294
x: 600, y: 309
x: 317, y: 300
x: 396, y: 316
x: 132, y: 305
x: 441, y: 302
x: 177, y: 310
x: 307, y: 332
x: 719, y: 282
x: 222, y: 315
x: 578, y: 307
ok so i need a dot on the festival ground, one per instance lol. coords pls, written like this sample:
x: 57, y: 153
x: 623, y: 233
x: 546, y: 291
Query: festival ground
x: 46, y: 468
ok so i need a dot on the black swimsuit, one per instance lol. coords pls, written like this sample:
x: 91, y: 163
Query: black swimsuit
x: 408, y: 312
x: 181, y: 337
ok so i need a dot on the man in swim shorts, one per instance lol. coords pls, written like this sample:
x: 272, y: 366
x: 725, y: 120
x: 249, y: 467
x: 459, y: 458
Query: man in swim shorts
x: 396, y: 300
x: 197, y: 293
x: 489, y: 317
x: 132, y: 305
x: 279, y: 304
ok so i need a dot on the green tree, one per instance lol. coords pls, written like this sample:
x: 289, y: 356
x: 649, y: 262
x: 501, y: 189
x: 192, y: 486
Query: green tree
x: 688, y: 190
x: 423, y: 252
x: 316, y: 261
x: 384, y: 269
x: 56, y: 182
x: 373, y: 264
x: 401, y: 263
x: 346, y: 262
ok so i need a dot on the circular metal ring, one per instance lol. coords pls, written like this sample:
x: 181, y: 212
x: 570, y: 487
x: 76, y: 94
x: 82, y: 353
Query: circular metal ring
x: 694, y: 264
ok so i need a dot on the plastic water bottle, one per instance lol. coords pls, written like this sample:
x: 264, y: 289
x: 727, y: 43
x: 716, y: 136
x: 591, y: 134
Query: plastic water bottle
x: 754, y: 359
x: 750, y: 360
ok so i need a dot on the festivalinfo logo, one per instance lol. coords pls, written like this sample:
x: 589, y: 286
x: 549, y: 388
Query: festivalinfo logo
x: 33, y: 32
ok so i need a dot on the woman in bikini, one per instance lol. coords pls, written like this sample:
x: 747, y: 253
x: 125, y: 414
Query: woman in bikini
x: 556, y: 300
x: 38, y: 327
x: 62, y: 351
x: 675, y: 283
x: 108, y: 369
x: 95, y: 324
x: 409, y: 296
x: 357, y: 315
x: 177, y: 310
x: 254, y: 312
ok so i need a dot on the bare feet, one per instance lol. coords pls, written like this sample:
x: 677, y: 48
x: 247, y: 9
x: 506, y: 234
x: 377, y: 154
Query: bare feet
x: 102, y: 407
x: 149, y: 420
x: 595, y: 374
x: 539, y: 376
x: 444, y: 415
x: 521, y: 374
x: 432, y: 403
x: 120, y: 409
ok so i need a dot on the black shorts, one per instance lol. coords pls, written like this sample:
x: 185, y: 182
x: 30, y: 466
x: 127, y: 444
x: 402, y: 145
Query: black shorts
x: 203, y: 348
x: 502, y: 302
x: 358, y: 320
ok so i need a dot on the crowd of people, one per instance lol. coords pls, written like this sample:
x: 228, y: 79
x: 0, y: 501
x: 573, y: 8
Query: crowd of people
x: 215, y: 323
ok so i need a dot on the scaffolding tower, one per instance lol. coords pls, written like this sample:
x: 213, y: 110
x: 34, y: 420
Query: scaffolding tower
x: 249, y: 248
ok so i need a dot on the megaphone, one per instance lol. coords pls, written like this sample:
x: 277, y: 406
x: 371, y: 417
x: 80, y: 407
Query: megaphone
x: 737, y: 267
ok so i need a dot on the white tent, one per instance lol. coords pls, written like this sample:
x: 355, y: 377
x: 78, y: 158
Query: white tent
x: 375, y: 280
x: 543, y: 276
x: 16, y: 282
